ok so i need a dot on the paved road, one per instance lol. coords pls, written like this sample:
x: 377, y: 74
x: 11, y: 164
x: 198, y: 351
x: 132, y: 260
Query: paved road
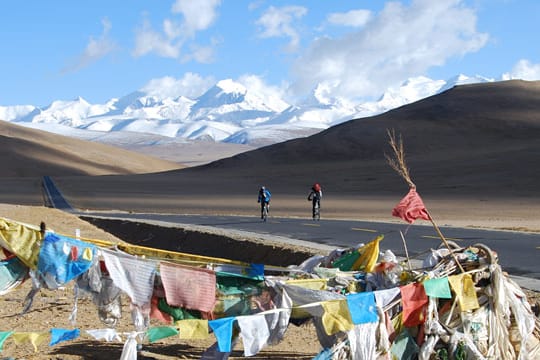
x: 518, y: 251
x: 52, y: 195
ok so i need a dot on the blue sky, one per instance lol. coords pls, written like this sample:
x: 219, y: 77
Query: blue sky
x: 61, y: 49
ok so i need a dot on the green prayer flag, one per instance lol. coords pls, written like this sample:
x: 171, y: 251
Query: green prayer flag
x: 3, y: 337
x: 438, y: 288
x: 160, y: 332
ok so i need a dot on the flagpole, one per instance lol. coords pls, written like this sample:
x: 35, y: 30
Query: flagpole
x: 406, y: 251
x: 444, y: 241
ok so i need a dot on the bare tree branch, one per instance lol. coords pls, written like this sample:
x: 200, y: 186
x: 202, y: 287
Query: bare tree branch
x: 398, y: 161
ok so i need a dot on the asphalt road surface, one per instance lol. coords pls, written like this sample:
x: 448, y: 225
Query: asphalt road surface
x: 518, y: 251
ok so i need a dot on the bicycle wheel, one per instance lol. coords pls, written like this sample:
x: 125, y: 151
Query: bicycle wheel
x: 316, y: 212
x: 265, y: 212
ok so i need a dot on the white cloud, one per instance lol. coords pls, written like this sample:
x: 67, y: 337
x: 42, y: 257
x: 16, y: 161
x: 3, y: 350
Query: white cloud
x: 278, y: 22
x: 196, y: 16
x: 190, y: 85
x: 354, y: 18
x: 271, y: 93
x: 95, y: 49
x: 524, y: 70
x: 147, y: 40
x: 399, y: 42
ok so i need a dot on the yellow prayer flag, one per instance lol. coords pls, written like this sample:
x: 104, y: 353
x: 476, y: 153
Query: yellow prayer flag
x: 336, y: 316
x: 463, y: 286
x: 35, y: 338
x: 369, y: 254
x: 193, y: 329
x: 87, y: 254
x: 21, y: 240
x: 312, y: 284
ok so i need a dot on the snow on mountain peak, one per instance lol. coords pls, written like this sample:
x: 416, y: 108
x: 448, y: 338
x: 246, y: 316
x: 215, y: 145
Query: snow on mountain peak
x: 229, y: 87
x: 229, y: 111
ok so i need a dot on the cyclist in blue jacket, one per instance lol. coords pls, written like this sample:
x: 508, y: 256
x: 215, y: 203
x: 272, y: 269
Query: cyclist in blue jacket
x: 264, y: 199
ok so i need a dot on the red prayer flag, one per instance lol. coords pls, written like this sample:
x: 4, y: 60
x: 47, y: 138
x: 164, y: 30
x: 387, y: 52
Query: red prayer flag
x: 411, y: 207
x: 414, y: 300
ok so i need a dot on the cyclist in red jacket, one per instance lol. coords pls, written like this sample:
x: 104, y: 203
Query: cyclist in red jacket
x: 315, y: 197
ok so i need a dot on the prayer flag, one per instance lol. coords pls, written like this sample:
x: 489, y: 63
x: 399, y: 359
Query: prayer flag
x: 414, y: 299
x: 336, y: 316
x: 160, y: 332
x: 193, y: 329
x: 404, y: 347
x: 362, y: 308
x: 3, y: 337
x: 254, y: 333
x: 35, y: 338
x: 438, y: 288
x: 223, y: 330
x: 108, y: 334
x: 463, y: 286
x: 59, y: 335
x: 411, y: 207
x: 133, y: 275
x: 189, y: 287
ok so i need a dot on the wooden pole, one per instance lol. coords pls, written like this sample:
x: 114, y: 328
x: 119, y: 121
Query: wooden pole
x: 406, y: 251
x: 444, y: 241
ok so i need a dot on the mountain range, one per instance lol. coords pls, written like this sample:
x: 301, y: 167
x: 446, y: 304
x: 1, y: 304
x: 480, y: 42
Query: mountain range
x: 225, y: 113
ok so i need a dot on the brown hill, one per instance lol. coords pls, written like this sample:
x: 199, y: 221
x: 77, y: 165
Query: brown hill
x: 481, y: 138
x: 30, y: 153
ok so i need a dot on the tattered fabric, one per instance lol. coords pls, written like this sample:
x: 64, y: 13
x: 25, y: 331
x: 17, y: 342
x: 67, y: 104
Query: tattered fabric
x: 60, y: 335
x: 411, y: 207
x: 362, y: 308
x: 254, y: 333
x: 21, y: 240
x: 189, y: 287
x: 223, y: 331
x: 132, y: 275
x: 62, y: 259
x: 415, y: 300
x: 12, y: 274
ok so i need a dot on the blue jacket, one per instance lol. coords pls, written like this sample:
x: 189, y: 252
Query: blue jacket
x: 264, y: 195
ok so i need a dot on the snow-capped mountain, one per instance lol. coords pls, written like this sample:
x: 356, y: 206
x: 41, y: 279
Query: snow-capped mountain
x: 227, y: 112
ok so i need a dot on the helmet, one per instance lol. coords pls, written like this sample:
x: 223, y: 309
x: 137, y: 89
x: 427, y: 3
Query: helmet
x: 263, y: 187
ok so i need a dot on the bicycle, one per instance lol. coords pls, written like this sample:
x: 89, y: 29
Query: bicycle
x: 316, y: 211
x: 264, y: 213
